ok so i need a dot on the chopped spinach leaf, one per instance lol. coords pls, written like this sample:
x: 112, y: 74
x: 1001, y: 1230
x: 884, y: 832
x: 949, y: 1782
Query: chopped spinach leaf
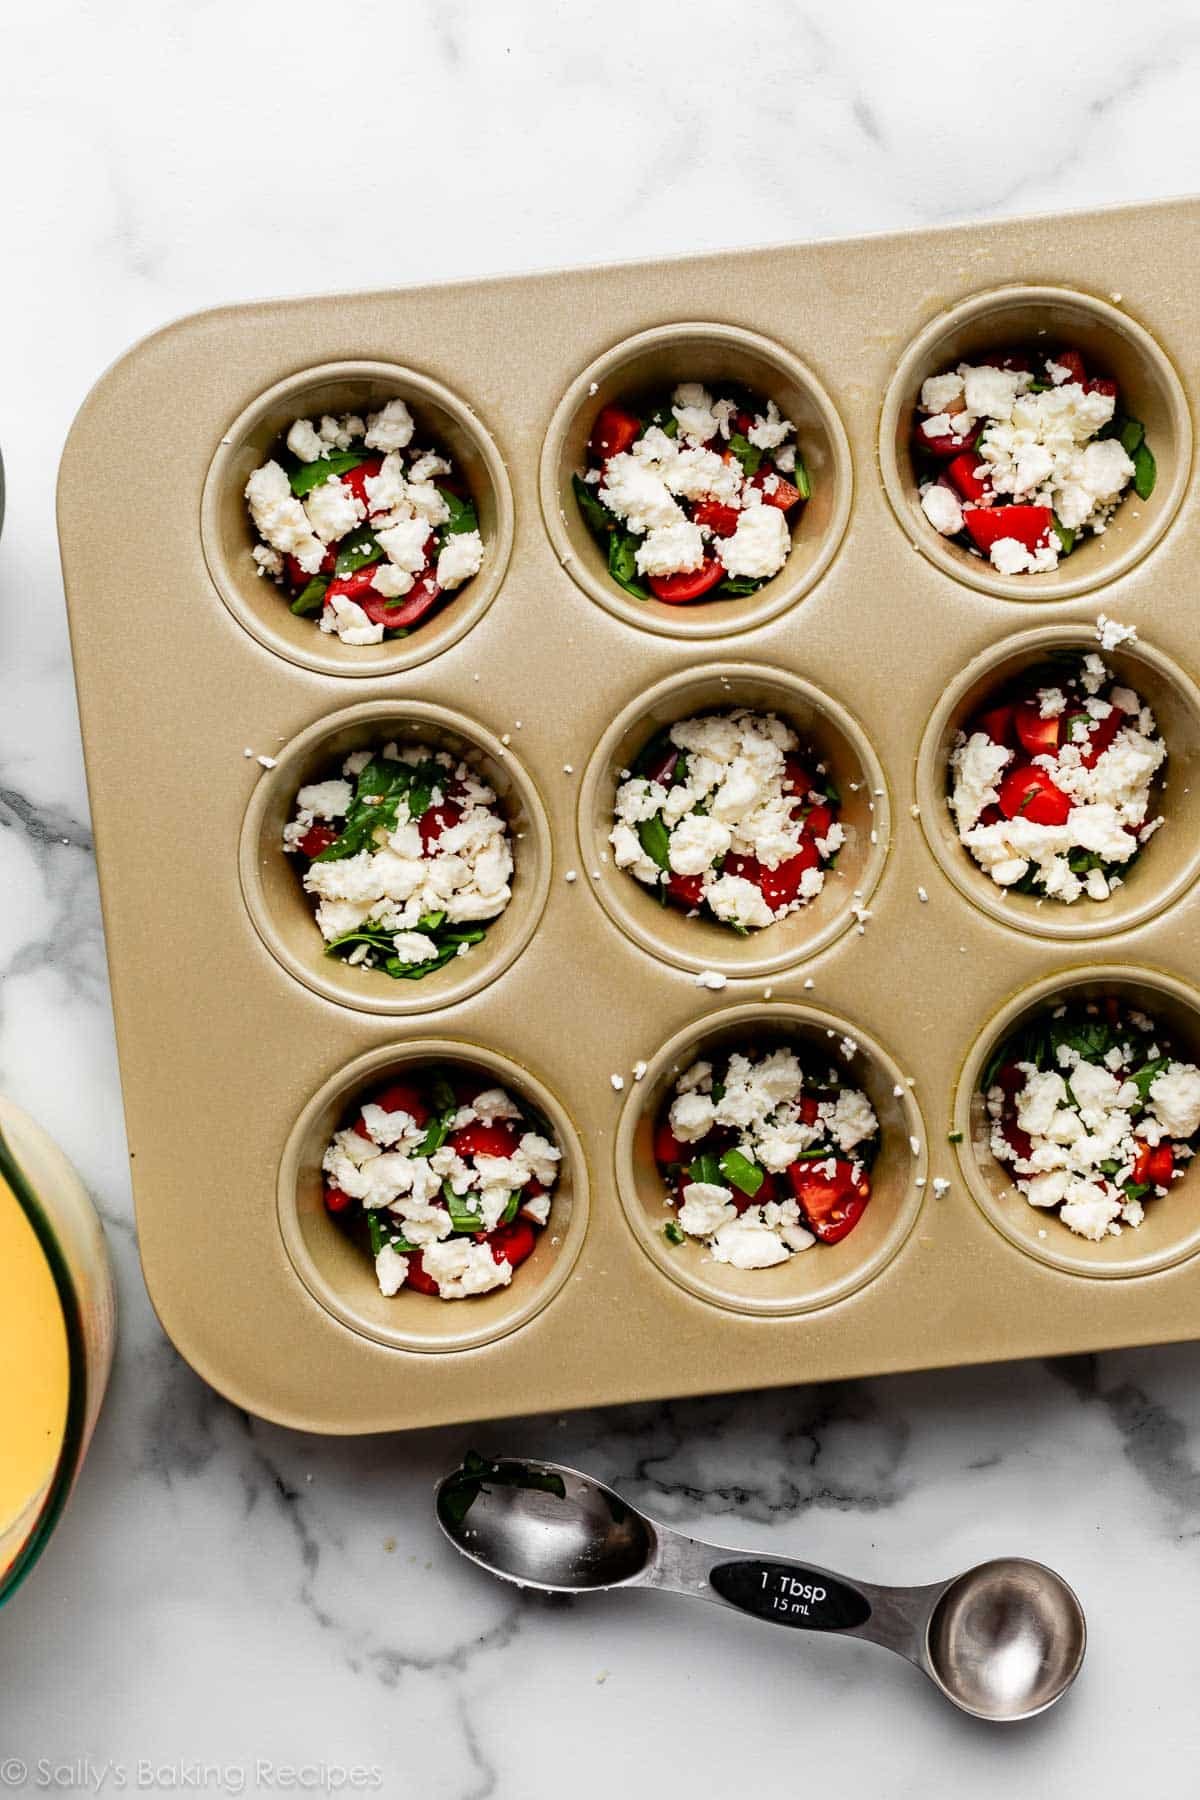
x: 356, y: 550
x: 748, y: 454
x: 741, y: 1173
x: 1145, y: 471
x: 311, y: 597
x: 655, y: 840
x: 459, y: 1492
x: 308, y: 476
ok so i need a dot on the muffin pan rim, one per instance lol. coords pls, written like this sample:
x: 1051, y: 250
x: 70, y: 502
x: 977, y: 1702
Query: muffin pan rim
x: 677, y: 1263
x: 977, y: 572
x: 610, y: 890
x: 532, y: 1298
x: 427, y: 641
x: 1082, y: 1266
x: 1056, y: 924
x: 702, y: 623
x: 409, y: 998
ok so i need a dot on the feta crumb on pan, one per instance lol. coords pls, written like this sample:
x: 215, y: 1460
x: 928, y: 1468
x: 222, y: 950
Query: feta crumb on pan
x: 765, y: 1153
x: 1020, y: 456
x: 1052, y: 782
x: 1094, y: 1113
x: 364, y: 531
x: 448, y: 1179
x: 690, y: 499
x: 721, y: 814
x: 405, y: 854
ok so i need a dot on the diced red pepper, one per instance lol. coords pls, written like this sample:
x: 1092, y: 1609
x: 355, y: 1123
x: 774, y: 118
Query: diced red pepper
x: 437, y: 819
x: 356, y: 586
x: 336, y: 1201
x: 1102, y: 384
x: 686, y: 890
x: 1141, y: 1161
x: 1020, y: 360
x: 950, y: 445
x: 997, y: 724
x: 781, y: 492
x: 986, y: 525
x: 298, y: 578
x: 991, y: 815
x: 818, y: 821
x: 743, y: 423
x: 1029, y: 793
x: 832, y: 1204
x: 417, y: 1278
x: 720, y: 519
x: 401, y: 1096
x: 1162, y: 1165
x: 961, y: 470
x: 782, y: 885
x: 1010, y: 1079
x: 1071, y: 359
x: 356, y: 479
x: 1100, y: 737
x: 395, y: 615
x: 677, y: 590
x: 1019, y: 1142
x: 809, y: 1109
x: 667, y: 1147
x: 796, y: 777
x: 512, y: 1243
x: 478, y: 1139
x: 1038, y: 736
x: 612, y: 433
x: 316, y: 839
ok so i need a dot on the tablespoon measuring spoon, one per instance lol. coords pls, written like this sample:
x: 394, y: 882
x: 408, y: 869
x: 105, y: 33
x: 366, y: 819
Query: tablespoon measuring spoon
x: 1002, y: 1642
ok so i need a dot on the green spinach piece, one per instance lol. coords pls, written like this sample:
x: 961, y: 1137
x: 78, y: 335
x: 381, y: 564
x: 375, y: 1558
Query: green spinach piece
x: 655, y: 841
x: 458, y: 1494
x: 311, y: 597
x: 308, y: 476
x: 356, y: 550
x: 748, y: 454
x: 741, y: 1173
x: 622, y: 563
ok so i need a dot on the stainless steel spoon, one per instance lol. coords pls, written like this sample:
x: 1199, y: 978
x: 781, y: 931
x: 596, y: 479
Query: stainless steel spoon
x: 1003, y: 1641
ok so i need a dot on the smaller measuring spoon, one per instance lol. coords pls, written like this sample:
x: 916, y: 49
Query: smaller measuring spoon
x: 1003, y: 1641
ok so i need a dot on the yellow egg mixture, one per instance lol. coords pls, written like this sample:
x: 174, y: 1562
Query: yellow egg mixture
x: 33, y: 1376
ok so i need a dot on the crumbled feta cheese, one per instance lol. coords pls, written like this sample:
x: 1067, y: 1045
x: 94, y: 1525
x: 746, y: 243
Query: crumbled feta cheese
x: 942, y: 508
x: 759, y: 546
x: 389, y: 429
x: 460, y: 558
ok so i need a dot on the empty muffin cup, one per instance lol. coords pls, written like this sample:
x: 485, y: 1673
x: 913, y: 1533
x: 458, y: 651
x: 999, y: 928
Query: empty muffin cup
x: 282, y: 911
x: 1169, y: 862
x: 641, y: 370
x: 838, y: 741
x: 1171, y: 1228
x: 443, y: 422
x: 1021, y: 317
x: 339, y: 1273
x: 824, y: 1273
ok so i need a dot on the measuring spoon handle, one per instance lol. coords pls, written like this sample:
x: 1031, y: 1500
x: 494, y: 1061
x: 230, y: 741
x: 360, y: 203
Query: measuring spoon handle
x: 800, y: 1596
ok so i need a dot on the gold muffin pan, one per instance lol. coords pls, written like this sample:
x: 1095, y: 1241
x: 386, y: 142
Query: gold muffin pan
x: 242, y: 1045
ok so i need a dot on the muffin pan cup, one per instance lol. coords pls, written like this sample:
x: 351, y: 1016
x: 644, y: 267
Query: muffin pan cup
x: 236, y: 1056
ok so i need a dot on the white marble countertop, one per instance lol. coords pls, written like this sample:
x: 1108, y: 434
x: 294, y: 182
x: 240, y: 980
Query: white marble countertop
x: 225, y: 1598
